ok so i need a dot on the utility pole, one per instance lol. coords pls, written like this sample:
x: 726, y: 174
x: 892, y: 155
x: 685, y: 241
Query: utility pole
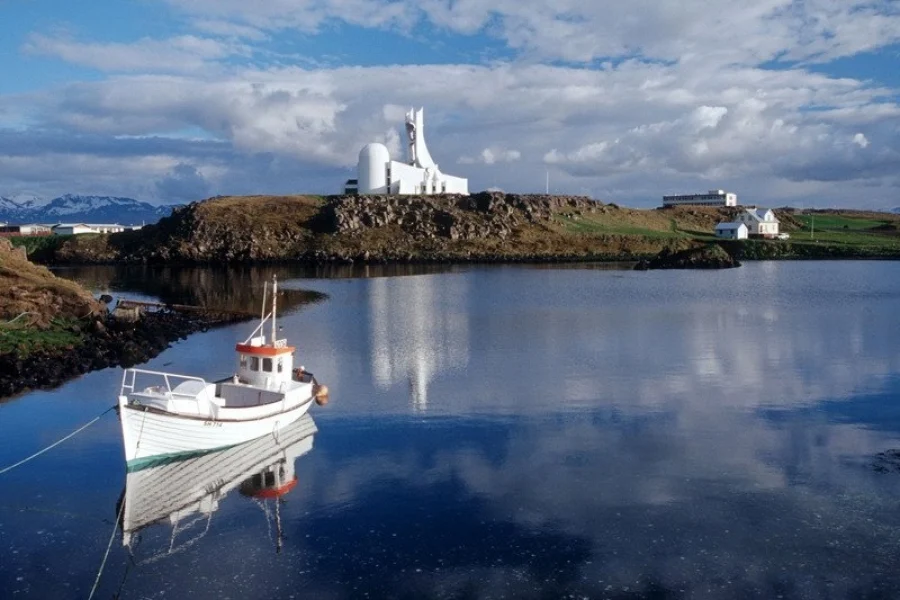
x: 548, y: 182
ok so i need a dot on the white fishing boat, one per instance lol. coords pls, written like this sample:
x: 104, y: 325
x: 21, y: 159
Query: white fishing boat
x: 179, y: 415
x: 179, y: 496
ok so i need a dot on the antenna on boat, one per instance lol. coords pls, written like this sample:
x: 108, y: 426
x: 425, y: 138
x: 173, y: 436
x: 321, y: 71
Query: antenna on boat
x: 262, y: 312
x: 274, y: 296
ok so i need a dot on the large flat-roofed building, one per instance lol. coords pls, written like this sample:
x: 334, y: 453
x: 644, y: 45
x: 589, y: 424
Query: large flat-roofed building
x: 79, y: 228
x: 710, y: 198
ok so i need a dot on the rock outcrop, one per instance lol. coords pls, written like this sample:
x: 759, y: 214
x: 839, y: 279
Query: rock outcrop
x: 31, y: 292
x: 711, y: 256
x: 485, y: 215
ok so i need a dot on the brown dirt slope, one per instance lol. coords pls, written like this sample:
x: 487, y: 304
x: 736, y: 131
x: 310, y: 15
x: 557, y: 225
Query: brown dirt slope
x: 32, y: 289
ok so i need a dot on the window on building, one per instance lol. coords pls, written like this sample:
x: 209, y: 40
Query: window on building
x: 267, y: 365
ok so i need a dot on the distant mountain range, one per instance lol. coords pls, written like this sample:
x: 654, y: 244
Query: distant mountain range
x: 79, y: 209
x: 896, y: 210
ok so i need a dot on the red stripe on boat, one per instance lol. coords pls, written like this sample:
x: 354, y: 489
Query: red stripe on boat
x: 263, y: 350
x: 275, y: 492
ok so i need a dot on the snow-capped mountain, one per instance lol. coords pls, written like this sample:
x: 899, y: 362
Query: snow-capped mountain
x: 79, y: 209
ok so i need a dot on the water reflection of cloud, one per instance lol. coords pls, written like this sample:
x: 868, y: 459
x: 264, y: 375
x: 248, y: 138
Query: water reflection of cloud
x: 757, y: 509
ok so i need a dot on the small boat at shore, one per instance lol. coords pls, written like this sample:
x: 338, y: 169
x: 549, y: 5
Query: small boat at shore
x: 180, y: 415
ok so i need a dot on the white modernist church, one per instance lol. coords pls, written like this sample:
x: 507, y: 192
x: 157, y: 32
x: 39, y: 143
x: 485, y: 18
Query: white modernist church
x: 378, y: 174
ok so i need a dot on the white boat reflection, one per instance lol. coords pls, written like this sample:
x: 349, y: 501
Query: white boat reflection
x: 184, y: 494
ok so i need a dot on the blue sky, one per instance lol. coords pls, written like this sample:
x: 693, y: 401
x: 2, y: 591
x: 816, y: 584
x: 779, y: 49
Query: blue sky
x: 625, y: 100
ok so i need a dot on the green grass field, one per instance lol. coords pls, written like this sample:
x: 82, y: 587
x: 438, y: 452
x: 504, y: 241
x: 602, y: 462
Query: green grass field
x: 586, y: 226
x: 838, y: 222
x: 838, y: 229
x: 22, y: 340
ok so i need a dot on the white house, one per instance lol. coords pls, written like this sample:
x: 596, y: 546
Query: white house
x: 377, y: 173
x: 710, y: 198
x: 760, y: 221
x: 731, y: 231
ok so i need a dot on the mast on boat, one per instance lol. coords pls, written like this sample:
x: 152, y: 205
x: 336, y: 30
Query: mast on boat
x: 274, y: 302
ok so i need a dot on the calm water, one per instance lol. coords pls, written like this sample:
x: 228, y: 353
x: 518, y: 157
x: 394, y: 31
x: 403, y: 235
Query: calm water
x: 503, y: 432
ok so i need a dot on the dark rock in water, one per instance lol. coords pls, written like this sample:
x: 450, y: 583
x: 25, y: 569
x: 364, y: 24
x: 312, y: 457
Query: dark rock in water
x: 711, y: 256
x: 887, y: 462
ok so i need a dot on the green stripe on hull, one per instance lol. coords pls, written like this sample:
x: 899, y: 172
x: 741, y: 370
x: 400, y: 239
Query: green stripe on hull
x: 139, y: 464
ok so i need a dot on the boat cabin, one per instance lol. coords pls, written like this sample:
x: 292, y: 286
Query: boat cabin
x: 264, y: 365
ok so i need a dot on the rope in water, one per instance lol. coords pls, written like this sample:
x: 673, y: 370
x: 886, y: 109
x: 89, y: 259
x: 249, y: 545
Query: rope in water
x: 57, y: 443
x: 112, y: 536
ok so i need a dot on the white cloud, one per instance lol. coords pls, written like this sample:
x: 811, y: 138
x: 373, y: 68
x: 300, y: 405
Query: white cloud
x: 636, y: 130
x: 179, y: 54
x: 679, y: 100
x: 717, y: 31
x: 490, y: 156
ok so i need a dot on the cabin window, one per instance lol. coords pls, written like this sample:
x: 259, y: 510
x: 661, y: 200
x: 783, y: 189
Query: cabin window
x: 280, y: 365
x: 254, y: 364
x: 267, y: 365
x: 243, y: 361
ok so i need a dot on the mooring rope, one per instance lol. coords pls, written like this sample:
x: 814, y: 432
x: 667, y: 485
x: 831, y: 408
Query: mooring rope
x: 58, y: 442
x: 112, y: 536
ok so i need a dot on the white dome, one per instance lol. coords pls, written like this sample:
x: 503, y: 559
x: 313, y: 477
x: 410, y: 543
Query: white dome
x: 372, y: 168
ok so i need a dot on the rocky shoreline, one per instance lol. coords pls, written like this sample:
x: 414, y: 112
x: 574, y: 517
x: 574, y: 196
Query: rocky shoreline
x: 105, y: 342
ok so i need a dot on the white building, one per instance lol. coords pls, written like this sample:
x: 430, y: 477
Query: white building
x: 420, y: 175
x: 760, y: 221
x: 31, y: 229
x: 731, y: 231
x: 710, y: 198
x: 80, y: 228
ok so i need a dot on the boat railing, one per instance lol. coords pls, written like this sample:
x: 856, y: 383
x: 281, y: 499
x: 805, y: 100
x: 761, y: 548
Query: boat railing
x: 129, y: 384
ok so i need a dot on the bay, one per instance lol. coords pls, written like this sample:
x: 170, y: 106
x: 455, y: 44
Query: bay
x: 507, y: 431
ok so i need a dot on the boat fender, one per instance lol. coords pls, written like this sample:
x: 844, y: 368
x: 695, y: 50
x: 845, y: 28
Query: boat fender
x: 321, y: 394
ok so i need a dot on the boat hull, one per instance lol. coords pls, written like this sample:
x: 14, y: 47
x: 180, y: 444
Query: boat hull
x: 172, y: 490
x: 151, y: 436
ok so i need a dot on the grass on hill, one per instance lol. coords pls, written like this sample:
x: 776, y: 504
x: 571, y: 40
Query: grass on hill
x: 21, y: 339
x: 32, y: 289
x: 39, y: 247
x: 274, y: 211
x: 863, y: 230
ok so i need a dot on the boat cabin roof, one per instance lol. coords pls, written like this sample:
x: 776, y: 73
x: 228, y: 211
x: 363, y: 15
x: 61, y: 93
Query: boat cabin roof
x: 263, y: 350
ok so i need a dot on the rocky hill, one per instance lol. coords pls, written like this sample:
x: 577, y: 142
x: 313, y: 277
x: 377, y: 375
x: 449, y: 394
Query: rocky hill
x: 72, y: 208
x: 482, y: 227
x: 488, y: 226
x: 33, y: 295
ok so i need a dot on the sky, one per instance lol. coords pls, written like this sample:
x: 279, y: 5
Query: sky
x: 782, y: 102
